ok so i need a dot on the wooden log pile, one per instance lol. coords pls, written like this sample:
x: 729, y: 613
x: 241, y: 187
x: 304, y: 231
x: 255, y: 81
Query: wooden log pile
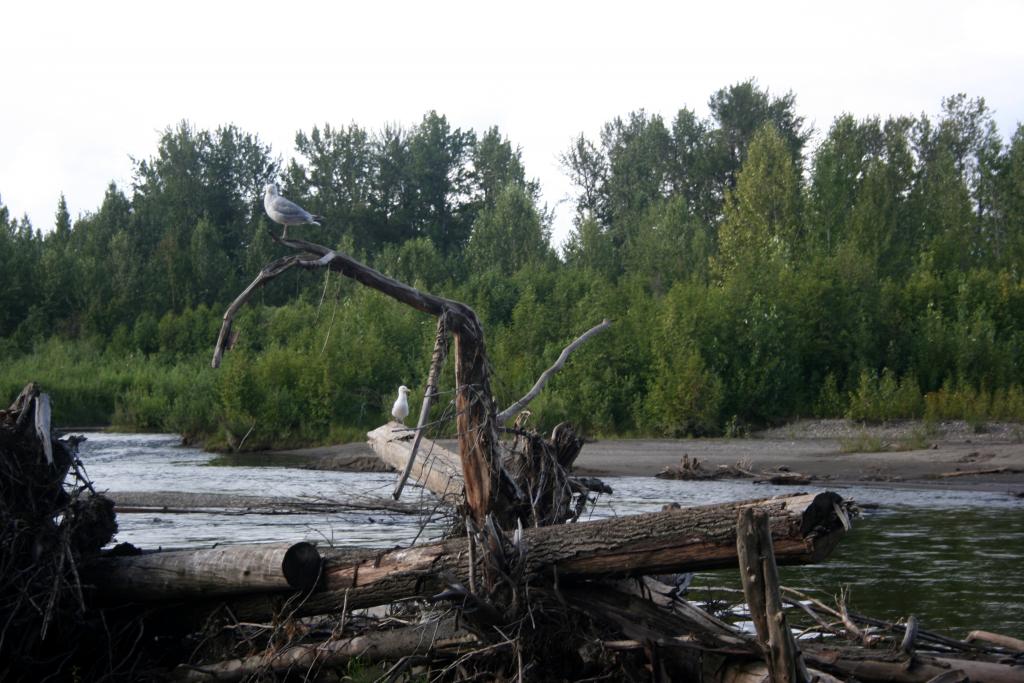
x: 520, y: 589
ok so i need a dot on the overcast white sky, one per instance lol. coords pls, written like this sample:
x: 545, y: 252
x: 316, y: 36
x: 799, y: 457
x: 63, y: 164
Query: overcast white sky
x: 86, y: 85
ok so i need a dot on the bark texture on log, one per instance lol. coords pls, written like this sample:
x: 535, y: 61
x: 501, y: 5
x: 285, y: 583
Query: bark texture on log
x: 803, y: 530
x: 761, y: 588
x: 369, y: 647
x: 436, y: 468
x: 227, y: 570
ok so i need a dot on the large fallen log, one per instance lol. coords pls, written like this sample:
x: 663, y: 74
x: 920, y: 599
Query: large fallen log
x: 805, y: 528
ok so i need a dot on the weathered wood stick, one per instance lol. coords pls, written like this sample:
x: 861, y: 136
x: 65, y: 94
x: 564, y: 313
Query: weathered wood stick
x: 761, y: 588
x: 804, y: 529
x: 436, y: 360
x: 269, y: 272
x: 226, y: 570
x: 425, y: 638
x: 42, y: 420
x: 507, y: 414
x: 999, y: 639
x: 987, y: 470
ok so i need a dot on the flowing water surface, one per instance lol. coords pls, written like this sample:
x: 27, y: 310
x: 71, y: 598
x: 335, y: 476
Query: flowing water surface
x: 954, y: 559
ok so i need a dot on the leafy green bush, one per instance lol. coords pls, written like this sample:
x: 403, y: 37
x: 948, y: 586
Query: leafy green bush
x: 878, y: 400
x: 685, y: 398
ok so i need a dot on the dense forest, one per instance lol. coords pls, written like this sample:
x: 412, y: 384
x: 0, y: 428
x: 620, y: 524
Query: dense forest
x: 750, y: 279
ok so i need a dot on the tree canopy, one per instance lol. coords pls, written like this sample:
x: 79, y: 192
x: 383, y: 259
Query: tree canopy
x: 750, y: 278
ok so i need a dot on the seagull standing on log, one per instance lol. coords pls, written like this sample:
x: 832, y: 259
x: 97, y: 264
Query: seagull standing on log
x: 285, y: 211
x: 400, y: 410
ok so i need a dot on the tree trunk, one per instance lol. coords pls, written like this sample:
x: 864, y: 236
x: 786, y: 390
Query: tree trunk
x: 227, y: 570
x: 804, y: 529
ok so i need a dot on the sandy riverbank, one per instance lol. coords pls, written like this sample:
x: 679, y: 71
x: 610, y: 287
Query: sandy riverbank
x: 914, y: 454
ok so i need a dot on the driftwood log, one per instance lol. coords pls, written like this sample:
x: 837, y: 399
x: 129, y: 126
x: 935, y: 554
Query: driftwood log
x: 431, y: 637
x: 539, y: 467
x: 219, y: 571
x: 51, y: 523
x: 435, y: 468
x: 879, y: 665
x: 805, y: 528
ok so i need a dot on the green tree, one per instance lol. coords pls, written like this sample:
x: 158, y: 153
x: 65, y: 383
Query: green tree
x: 496, y: 165
x: 840, y: 165
x: 1008, y: 231
x: 56, y: 268
x: 438, y: 159
x: 336, y: 181
x: 590, y: 247
x: 693, y: 166
x: 638, y: 151
x: 743, y: 109
x: 587, y: 167
x: 669, y: 245
x: 508, y: 235
x: 762, y: 214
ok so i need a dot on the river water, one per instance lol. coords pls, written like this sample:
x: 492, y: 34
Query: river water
x: 954, y: 559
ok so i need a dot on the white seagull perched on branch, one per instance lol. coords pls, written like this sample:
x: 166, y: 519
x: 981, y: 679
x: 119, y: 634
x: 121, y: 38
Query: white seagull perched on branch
x: 285, y: 211
x: 400, y: 410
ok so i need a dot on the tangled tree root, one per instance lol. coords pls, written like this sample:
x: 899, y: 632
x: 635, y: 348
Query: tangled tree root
x: 50, y: 521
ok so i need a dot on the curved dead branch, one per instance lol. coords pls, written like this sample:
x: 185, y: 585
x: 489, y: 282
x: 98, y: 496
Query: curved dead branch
x: 507, y: 414
x: 476, y: 423
x: 269, y: 272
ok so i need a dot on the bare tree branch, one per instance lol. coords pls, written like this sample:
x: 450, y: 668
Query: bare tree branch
x: 506, y: 415
x: 475, y: 410
x: 269, y: 272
